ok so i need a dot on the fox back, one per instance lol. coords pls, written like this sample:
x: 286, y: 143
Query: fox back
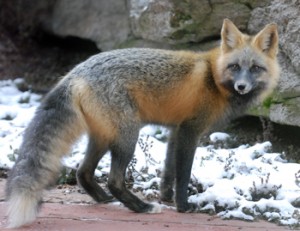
x: 169, y: 87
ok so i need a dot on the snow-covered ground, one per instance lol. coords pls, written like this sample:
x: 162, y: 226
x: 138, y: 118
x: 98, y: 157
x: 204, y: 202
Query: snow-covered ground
x: 246, y: 182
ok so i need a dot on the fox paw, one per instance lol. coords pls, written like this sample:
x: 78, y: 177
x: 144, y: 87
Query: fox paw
x: 155, y: 208
x: 166, y: 195
x: 108, y: 199
x: 187, y: 208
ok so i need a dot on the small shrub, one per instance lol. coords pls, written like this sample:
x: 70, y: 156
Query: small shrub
x: 264, y: 190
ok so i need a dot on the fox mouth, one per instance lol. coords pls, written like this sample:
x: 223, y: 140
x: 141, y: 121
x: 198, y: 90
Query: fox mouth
x: 243, y: 92
x: 238, y: 88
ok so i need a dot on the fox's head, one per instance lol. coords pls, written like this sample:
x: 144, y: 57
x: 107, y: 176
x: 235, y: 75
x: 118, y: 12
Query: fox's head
x: 248, y: 64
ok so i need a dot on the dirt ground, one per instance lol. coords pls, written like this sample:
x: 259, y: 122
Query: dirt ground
x: 66, y: 208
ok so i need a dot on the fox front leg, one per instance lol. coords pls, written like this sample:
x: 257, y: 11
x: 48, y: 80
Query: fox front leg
x: 187, y: 139
x: 178, y: 164
x: 168, y: 178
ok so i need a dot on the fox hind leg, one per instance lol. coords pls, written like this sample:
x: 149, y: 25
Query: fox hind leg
x: 122, y: 153
x: 85, y: 174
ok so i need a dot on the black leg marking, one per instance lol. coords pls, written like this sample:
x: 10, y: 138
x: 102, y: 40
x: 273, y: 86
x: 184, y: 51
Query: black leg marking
x: 85, y: 173
x: 186, y: 146
x: 167, y: 182
x: 122, y: 153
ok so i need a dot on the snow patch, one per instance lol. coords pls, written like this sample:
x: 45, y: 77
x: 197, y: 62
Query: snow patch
x: 245, y: 182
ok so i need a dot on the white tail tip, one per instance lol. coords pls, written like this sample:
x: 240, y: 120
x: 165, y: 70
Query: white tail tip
x: 22, y: 209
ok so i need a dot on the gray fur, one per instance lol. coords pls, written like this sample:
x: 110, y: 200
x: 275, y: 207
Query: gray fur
x: 111, y: 72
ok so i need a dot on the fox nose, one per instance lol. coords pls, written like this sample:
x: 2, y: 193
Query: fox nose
x: 241, y: 87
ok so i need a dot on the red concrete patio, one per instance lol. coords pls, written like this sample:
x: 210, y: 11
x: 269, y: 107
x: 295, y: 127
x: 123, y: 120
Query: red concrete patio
x: 66, y: 209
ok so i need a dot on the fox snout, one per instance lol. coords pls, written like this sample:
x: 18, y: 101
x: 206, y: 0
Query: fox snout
x: 242, y: 87
x: 243, y: 83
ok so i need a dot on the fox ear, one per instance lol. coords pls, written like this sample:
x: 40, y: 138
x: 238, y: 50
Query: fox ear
x: 231, y: 36
x: 267, y: 40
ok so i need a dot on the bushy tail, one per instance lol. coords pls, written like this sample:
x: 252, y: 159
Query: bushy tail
x: 55, y: 127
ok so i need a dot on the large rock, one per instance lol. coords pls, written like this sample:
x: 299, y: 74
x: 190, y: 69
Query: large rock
x: 150, y: 20
x: 285, y: 105
x: 177, y: 21
x: 104, y: 22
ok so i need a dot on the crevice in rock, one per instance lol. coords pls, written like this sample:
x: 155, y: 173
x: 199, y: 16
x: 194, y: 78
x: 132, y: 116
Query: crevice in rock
x: 248, y: 5
x: 284, y: 138
x: 42, y: 58
x: 70, y: 43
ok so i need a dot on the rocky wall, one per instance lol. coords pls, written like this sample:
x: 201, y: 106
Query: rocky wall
x: 177, y: 24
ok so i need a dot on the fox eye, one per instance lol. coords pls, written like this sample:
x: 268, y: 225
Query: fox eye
x: 234, y: 67
x: 256, y: 68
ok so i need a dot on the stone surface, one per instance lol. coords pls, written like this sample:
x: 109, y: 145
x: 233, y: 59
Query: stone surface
x: 176, y: 21
x: 61, y: 213
x: 104, y: 22
x: 150, y: 20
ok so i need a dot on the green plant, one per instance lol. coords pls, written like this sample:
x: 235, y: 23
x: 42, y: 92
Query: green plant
x: 67, y: 176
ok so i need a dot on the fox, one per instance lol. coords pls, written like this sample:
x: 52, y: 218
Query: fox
x: 113, y: 94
